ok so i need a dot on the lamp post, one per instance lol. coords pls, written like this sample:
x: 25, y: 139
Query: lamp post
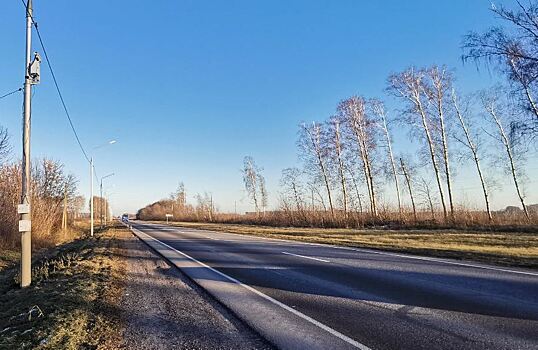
x: 111, y: 142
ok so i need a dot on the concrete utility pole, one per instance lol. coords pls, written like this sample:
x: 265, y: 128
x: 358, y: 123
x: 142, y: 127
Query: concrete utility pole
x: 64, y: 213
x: 91, y: 196
x: 31, y: 77
x: 101, y: 204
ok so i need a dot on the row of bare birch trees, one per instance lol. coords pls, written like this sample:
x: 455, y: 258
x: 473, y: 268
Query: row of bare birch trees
x: 351, y: 162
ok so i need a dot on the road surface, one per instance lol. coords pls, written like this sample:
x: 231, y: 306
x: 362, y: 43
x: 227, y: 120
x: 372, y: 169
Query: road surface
x: 311, y: 296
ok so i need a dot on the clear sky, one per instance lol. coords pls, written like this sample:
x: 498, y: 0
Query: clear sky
x: 188, y: 88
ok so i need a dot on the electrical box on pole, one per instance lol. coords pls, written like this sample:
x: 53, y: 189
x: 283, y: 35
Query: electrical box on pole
x: 34, y: 70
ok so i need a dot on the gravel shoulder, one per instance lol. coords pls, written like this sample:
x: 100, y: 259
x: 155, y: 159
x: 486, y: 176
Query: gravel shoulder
x: 163, y: 309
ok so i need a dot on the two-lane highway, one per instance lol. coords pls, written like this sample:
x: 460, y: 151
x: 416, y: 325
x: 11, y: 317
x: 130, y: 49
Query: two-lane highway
x: 308, y: 296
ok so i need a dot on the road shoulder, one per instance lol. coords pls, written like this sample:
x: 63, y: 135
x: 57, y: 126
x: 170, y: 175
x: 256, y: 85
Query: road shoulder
x: 163, y: 309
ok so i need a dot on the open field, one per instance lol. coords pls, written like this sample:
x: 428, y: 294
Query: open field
x: 71, y: 302
x: 502, y: 248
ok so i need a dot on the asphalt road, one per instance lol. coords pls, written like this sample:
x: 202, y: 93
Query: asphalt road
x: 307, y: 296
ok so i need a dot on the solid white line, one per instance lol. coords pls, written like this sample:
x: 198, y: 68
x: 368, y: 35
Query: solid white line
x: 268, y: 298
x: 306, y: 257
x: 448, y: 262
x: 365, y: 250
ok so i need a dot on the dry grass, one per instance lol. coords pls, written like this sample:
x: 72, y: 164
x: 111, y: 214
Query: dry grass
x: 8, y: 258
x: 504, y: 248
x: 71, y: 302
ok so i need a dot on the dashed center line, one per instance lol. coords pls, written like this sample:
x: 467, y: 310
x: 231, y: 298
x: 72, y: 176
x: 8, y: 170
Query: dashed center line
x: 306, y: 257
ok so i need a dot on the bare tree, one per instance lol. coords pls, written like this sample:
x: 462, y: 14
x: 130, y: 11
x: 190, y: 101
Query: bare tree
x: 353, y: 178
x: 291, y: 184
x: 5, y: 147
x: 264, y: 196
x: 379, y: 109
x: 180, y: 197
x: 363, y: 129
x: 409, y: 85
x: 315, y: 154
x: 440, y: 85
x: 472, y: 147
x: 254, y: 183
x: 337, y: 147
x: 316, y: 195
x: 514, y: 51
x: 424, y: 190
x: 490, y: 104
x: 205, y: 207
x: 409, y: 187
x: 76, y: 205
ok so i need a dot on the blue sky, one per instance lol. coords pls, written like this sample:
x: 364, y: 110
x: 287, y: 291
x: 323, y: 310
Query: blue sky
x: 188, y: 88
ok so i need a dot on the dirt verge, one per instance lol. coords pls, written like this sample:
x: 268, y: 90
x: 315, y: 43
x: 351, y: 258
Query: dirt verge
x: 71, y: 303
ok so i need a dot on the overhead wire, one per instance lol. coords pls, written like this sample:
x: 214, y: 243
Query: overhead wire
x: 11, y: 93
x: 60, y: 95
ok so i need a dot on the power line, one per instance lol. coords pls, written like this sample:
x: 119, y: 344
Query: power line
x: 56, y: 85
x: 10, y: 93
x: 60, y: 94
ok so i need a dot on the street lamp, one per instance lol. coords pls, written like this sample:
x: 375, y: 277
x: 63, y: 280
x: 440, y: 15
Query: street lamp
x: 101, y: 198
x: 111, y: 142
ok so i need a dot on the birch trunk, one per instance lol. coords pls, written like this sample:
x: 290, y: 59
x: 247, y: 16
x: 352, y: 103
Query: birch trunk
x: 432, y: 153
x: 385, y: 128
x: 316, y: 143
x: 509, y: 153
x: 359, y: 130
x: 446, y: 160
x: 472, y: 147
x: 440, y: 81
x: 409, y: 187
x: 528, y: 95
x: 338, y: 148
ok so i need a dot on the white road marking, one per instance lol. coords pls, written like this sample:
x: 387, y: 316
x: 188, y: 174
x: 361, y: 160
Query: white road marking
x: 266, y: 297
x: 306, y: 257
x: 364, y: 250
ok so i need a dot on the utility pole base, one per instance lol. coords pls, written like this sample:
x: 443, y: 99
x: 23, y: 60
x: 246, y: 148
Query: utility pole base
x: 26, y: 259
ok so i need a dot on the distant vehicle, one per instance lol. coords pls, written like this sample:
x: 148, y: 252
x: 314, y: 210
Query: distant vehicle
x: 125, y: 218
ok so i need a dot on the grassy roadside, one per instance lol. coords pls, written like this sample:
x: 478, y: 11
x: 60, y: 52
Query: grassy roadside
x: 8, y: 258
x: 71, y: 303
x: 501, y: 248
